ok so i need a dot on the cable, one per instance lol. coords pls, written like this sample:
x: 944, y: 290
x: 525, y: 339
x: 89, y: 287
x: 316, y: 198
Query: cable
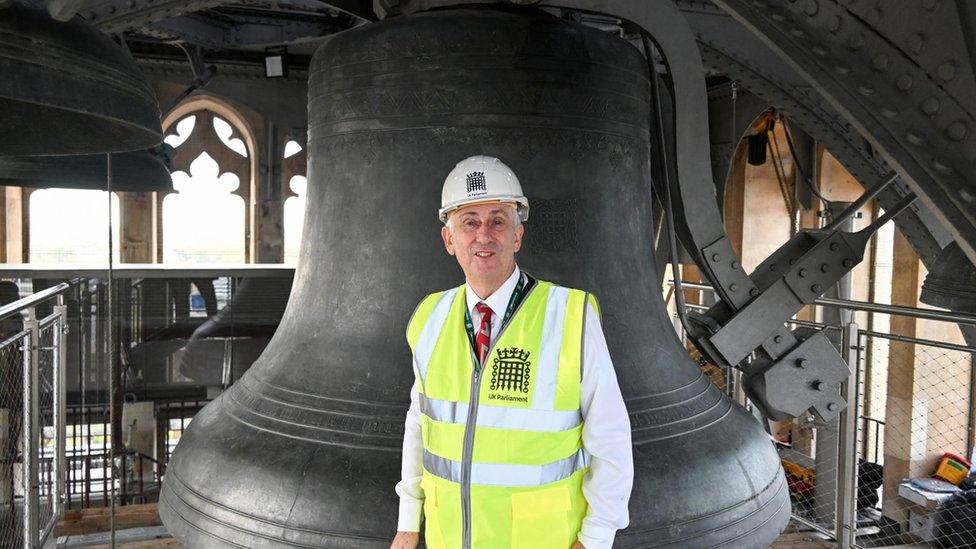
x: 799, y: 166
x: 658, y: 120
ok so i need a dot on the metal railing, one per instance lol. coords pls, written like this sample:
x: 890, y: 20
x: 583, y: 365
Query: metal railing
x: 32, y: 414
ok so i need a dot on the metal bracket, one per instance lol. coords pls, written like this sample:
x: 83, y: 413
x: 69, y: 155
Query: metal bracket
x: 806, y: 378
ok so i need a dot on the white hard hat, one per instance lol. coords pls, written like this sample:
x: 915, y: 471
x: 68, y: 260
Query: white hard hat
x: 481, y: 179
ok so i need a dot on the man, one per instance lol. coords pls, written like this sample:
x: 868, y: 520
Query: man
x: 517, y: 435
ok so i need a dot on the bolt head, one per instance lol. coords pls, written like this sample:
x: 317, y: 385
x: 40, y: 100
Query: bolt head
x: 819, y: 386
x: 824, y: 268
x: 735, y: 264
x: 834, y: 246
x: 754, y: 292
x: 816, y: 288
x: 777, y: 339
x: 772, y: 267
x: 848, y: 263
x: 715, y: 257
x: 802, y: 363
x: 733, y: 287
x: 802, y: 273
x: 832, y: 406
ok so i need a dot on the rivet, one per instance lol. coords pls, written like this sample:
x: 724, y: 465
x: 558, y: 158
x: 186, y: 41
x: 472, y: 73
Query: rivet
x: 931, y: 106
x: 916, y: 42
x: 778, y: 17
x: 733, y: 287
x: 112, y: 9
x: 842, y: 69
x: 947, y: 71
x: 880, y: 62
x: 957, y: 131
x: 754, y: 292
x: 802, y: 273
x: 820, y: 50
x: 833, y: 24
x: 802, y: 363
x: 856, y: 42
x: 865, y: 91
x: 904, y: 82
x: 848, y: 262
x: 832, y: 406
x: 777, y: 339
x: 824, y: 268
x: 888, y: 112
x: 914, y: 139
x: 797, y: 32
x: 816, y: 288
x: 734, y: 265
x: 811, y: 7
x: 715, y: 257
x: 942, y: 166
x: 820, y: 386
x: 967, y: 196
x: 834, y: 246
x: 793, y: 261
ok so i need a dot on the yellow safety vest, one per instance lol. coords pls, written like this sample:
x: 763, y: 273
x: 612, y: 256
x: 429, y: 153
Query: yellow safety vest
x: 503, y: 454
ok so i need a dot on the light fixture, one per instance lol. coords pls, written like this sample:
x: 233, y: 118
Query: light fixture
x: 274, y: 62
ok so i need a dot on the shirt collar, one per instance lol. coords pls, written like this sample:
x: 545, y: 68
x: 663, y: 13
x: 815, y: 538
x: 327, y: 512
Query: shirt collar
x: 497, y: 301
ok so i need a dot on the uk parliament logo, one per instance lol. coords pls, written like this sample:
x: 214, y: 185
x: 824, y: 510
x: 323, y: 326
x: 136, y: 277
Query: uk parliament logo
x: 476, y: 182
x: 510, y: 370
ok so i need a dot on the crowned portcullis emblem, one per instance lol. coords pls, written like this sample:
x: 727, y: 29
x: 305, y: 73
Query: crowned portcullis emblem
x: 510, y: 370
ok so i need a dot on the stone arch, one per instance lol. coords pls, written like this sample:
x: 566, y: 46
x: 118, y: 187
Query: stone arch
x: 206, y: 106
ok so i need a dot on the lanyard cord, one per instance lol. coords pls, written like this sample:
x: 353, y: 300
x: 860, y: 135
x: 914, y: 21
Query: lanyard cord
x: 509, y: 310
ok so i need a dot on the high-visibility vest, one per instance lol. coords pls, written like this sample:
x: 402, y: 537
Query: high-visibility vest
x: 503, y: 457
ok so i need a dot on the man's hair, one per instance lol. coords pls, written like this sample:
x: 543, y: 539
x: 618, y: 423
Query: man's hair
x: 450, y: 218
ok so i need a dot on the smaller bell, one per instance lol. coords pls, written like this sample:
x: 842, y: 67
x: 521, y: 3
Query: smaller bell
x: 140, y: 171
x: 67, y: 88
x: 951, y: 284
x: 226, y: 345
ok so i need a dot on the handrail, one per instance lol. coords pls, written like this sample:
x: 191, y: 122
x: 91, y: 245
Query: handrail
x: 37, y: 298
x: 149, y: 270
x: 897, y: 310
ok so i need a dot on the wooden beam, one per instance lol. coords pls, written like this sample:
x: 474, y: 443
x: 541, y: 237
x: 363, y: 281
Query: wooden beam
x: 97, y: 519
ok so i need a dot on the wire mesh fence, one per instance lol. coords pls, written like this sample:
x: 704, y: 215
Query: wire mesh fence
x: 915, y: 441
x: 47, y: 432
x: 11, y: 423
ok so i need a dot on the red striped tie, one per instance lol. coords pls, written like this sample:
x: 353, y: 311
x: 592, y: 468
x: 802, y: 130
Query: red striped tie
x: 482, y: 340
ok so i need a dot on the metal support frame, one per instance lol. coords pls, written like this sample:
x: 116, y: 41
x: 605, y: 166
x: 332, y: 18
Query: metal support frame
x: 35, y: 534
x: 31, y: 425
x: 846, y: 509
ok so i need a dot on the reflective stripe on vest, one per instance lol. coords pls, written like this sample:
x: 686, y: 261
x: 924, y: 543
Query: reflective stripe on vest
x: 504, y: 474
x: 526, y: 438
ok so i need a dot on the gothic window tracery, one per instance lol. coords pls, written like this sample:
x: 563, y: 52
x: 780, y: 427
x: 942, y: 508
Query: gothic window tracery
x: 206, y: 219
x: 295, y: 186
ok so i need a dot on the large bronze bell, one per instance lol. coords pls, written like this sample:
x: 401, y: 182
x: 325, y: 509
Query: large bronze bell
x: 305, y: 449
x: 68, y: 88
x: 139, y: 171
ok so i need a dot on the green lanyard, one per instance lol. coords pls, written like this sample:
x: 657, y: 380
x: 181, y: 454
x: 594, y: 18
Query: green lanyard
x: 509, y: 311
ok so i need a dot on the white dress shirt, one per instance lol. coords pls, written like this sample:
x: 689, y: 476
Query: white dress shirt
x: 606, y: 433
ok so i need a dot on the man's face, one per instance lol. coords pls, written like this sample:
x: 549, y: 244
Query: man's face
x: 484, y: 238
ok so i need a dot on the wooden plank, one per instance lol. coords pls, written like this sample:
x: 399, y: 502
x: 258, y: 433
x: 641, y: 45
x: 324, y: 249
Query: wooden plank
x: 89, y: 521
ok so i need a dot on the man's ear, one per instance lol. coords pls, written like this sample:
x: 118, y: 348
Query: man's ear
x: 518, y: 236
x: 446, y: 236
